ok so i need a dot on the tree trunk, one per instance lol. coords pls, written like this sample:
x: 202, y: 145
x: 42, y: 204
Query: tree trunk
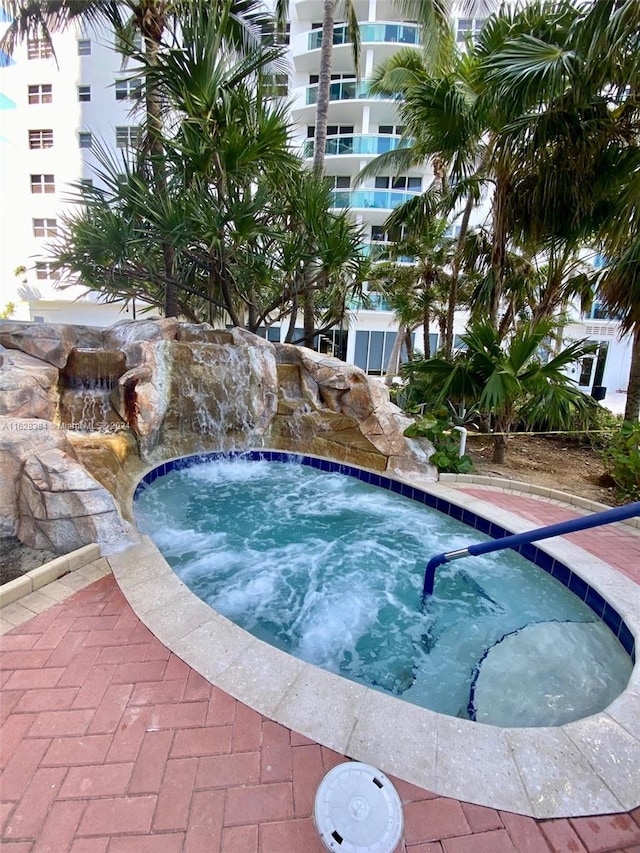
x: 499, y: 248
x: 439, y: 172
x: 455, y: 277
x: 394, y: 358
x: 507, y: 320
x: 229, y: 307
x: 292, y: 322
x: 499, y: 449
x: 426, y: 343
x: 632, y: 408
x: 171, y: 308
x: 253, y: 320
x: 153, y: 148
x: 502, y: 427
x: 324, y: 84
x: 408, y: 344
x: 309, y: 319
x: 320, y: 135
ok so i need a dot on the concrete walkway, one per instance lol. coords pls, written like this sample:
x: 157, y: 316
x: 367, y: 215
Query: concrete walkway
x: 111, y: 743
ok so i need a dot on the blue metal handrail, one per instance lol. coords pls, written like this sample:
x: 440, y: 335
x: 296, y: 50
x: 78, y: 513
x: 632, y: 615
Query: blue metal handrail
x: 596, y: 519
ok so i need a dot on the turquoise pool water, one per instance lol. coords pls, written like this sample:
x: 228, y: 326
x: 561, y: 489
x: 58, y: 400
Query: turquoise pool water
x: 330, y: 569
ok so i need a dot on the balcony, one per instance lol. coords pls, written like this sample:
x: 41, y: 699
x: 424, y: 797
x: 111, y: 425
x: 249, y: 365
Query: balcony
x: 370, y: 33
x: 364, y: 145
x: 372, y: 199
x: 379, y: 251
x: 345, y: 90
x: 372, y: 302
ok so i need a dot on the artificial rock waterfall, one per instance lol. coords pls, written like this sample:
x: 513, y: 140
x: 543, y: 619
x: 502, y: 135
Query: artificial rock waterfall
x: 83, y: 411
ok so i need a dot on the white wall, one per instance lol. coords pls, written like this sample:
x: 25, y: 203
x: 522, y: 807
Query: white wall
x: 66, y: 116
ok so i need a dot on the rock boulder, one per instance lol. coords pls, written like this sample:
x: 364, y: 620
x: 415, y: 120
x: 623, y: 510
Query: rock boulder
x: 28, y: 386
x: 47, y: 498
x: 61, y: 507
x: 50, y: 342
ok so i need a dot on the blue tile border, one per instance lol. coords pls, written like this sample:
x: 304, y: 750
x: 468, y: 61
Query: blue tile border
x: 579, y: 587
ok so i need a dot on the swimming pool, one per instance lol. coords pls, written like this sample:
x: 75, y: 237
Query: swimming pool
x: 269, y: 566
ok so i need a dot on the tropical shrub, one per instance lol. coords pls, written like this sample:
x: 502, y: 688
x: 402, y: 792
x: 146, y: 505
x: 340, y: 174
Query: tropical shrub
x: 622, y: 461
x: 509, y: 379
x: 595, y: 427
x: 438, y: 428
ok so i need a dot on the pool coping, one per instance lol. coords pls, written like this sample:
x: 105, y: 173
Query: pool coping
x: 47, y: 573
x: 586, y: 767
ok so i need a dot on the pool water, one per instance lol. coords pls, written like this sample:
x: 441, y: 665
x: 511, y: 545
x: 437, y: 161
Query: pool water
x: 330, y: 569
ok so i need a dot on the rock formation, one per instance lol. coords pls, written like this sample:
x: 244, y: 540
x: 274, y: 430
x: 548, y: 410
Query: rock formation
x: 47, y: 497
x: 82, y: 410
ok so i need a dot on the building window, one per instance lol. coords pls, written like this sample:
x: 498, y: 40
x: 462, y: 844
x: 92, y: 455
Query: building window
x: 40, y: 139
x: 404, y: 183
x: 40, y: 93
x: 315, y: 78
x: 271, y: 334
x: 278, y: 85
x: 133, y: 41
x: 380, y: 234
x: 127, y: 90
x: 87, y: 182
x: 469, y: 28
x: 84, y: 47
x: 127, y: 137
x: 85, y: 139
x: 339, y: 182
x: 586, y: 369
x: 39, y: 49
x: 45, y: 227
x: 401, y: 182
x: 373, y: 351
x: 43, y: 184
x: 339, y: 129
x: 45, y: 271
x: 84, y: 93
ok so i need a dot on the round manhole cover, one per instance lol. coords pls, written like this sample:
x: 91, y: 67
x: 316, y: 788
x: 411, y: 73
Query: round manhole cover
x: 358, y: 810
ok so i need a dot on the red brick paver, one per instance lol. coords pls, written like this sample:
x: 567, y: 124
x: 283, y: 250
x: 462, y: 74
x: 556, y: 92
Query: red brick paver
x: 615, y: 545
x: 110, y: 744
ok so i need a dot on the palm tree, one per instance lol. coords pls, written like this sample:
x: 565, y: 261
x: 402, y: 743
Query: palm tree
x: 234, y: 201
x: 434, y: 18
x: 245, y: 24
x: 416, y: 291
x: 509, y: 379
x: 329, y: 11
x: 620, y: 287
x: 450, y: 120
x: 575, y: 73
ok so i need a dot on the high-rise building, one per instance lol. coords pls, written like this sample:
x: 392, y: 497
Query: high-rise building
x: 53, y: 106
x: 360, y: 127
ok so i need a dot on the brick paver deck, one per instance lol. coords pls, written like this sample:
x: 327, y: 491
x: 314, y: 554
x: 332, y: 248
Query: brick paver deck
x: 111, y: 743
